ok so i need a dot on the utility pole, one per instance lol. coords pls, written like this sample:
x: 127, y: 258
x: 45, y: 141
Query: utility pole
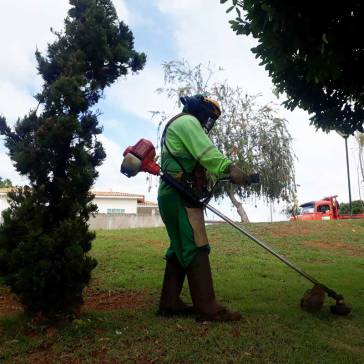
x: 348, y: 171
x: 346, y: 136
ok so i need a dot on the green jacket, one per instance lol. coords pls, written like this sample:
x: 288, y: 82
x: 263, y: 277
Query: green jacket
x: 189, y: 143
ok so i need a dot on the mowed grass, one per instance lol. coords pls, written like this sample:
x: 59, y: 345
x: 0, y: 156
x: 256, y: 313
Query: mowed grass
x: 273, y: 330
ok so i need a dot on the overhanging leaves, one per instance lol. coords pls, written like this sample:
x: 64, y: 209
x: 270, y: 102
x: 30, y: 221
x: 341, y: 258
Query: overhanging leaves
x: 314, y: 53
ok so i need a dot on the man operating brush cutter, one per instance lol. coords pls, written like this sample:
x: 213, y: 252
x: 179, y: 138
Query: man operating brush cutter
x: 186, y: 154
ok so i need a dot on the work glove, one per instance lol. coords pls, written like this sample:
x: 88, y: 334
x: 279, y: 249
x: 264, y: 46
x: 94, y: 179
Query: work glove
x: 238, y: 177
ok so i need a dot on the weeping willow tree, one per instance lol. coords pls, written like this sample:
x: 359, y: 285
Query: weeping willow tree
x: 252, y: 135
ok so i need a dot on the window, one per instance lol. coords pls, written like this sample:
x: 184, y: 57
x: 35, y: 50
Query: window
x: 308, y: 208
x: 115, y: 211
x: 323, y: 208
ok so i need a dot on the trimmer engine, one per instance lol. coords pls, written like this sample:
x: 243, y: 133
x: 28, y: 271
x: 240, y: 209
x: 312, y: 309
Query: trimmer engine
x: 140, y: 158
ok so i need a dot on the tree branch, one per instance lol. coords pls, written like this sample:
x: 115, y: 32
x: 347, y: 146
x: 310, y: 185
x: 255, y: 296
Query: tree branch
x: 239, y: 207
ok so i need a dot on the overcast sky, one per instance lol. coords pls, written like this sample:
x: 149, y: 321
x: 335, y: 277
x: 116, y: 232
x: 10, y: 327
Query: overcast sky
x: 195, y: 30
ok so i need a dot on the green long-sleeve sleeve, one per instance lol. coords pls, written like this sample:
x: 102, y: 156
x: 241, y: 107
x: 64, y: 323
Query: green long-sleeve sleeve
x: 189, y: 143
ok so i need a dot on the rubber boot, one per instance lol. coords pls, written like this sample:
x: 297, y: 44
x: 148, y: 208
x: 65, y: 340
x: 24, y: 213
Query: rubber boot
x: 202, y: 292
x: 170, y: 302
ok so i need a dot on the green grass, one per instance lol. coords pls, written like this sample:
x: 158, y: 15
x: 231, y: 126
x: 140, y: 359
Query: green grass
x: 274, y: 329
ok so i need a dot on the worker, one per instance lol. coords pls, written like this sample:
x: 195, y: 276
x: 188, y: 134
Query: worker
x: 186, y: 154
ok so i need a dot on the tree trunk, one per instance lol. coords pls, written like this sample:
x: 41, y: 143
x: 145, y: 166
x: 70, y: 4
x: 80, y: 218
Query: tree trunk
x: 239, y: 207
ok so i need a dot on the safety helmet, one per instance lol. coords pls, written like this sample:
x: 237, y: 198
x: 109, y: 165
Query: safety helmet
x: 206, y: 110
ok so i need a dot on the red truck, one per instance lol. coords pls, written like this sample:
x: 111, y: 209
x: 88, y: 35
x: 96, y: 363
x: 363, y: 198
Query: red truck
x: 325, y: 209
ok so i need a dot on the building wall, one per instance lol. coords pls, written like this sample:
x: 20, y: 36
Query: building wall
x: 120, y: 205
x: 110, y: 222
x: 3, y: 205
x: 148, y: 210
x: 139, y: 217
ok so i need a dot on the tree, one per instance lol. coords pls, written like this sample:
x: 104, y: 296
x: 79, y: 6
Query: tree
x: 357, y: 207
x: 251, y: 135
x: 44, y: 239
x: 291, y: 209
x: 5, y: 183
x: 314, y: 54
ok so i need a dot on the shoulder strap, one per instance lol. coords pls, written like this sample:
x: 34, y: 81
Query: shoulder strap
x: 164, y: 143
x: 168, y: 125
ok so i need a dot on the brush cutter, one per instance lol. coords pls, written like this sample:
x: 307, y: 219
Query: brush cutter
x: 141, y: 158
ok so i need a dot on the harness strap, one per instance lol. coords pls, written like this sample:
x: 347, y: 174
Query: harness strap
x: 164, y: 142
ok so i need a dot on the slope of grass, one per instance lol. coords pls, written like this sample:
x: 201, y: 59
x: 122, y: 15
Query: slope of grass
x: 274, y: 329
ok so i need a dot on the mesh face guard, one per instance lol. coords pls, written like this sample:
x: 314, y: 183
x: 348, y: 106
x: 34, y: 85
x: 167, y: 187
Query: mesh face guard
x: 209, y: 124
x: 213, y: 111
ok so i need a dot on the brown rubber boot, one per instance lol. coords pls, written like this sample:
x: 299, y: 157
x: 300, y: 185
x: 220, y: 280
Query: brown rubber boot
x: 170, y: 302
x: 202, y: 292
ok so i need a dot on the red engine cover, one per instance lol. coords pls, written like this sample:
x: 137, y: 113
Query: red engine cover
x: 145, y: 151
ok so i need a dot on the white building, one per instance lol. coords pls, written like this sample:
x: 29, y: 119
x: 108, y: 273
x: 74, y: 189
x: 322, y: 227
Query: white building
x: 107, y: 203
x: 124, y: 203
x: 3, y: 201
x: 117, y: 202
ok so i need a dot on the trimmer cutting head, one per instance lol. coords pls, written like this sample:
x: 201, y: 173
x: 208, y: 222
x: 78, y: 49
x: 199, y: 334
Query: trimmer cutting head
x: 340, y: 307
x: 313, y: 301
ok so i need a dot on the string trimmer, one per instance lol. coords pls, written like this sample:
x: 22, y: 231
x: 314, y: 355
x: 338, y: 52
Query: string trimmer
x: 141, y: 158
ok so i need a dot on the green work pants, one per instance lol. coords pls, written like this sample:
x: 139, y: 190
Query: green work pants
x: 172, y: 208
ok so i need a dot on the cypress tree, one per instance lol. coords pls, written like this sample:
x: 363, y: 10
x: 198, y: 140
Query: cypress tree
x: 44, y: 239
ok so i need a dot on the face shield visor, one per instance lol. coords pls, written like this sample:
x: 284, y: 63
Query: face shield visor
x: 209, y: 124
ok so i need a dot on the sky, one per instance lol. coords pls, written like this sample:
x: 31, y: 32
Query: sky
x: 195, y: 30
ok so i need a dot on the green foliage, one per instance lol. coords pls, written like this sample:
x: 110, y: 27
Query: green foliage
x: 357, y: 207
x: 314, y: 54
x: 251, y: 135
x: 291, y: 209
x: 5, y: 183
x: 76, y: 69
x: 44, y: 239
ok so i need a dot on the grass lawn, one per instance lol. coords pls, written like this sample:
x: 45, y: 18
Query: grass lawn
x: 118, y: 323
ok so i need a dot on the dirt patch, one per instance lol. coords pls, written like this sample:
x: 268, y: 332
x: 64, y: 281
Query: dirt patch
x: 94, y: 300
x: 355, y: 349
x: 293, y: 229
x: 157, y: 244
x: 347, y: 249
x: 110, y: 301
x: 231, y: 251
x: 41, y: 357
x: 8, y: 304
x: 49, y: 357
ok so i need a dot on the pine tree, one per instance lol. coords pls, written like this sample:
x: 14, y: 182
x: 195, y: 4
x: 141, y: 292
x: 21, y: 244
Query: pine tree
x: 44, y: 239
